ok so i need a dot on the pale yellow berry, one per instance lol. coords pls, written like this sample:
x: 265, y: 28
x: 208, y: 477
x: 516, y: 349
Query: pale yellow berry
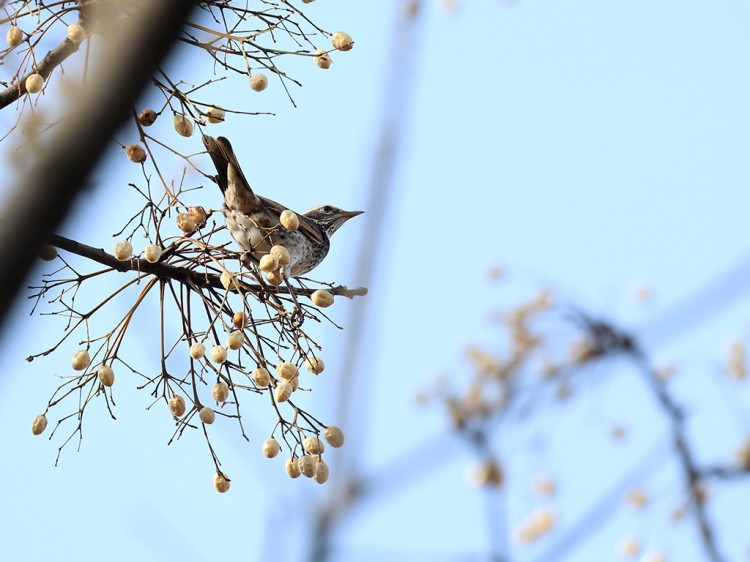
x: 218, y: 354
x: 34, y: 83
x: 281, y: 253
x: 292, y: 468
x: 628, y: 547
x: 295, y: 383
x: 261, y: 377
x: 314, y: 365
x: 47, y: 252
x: 220, y: 392
x: 322, y: 59
x: 544, y: 485
x: 287, y: 370
x: 307, y: 465
x: 228, y: 281
x: 283, y: 391
x: 235, y: 340
x: 182, y: 125
x: 197, y: 350
x: 123, y: 250
x: 274, y: 277
x: 186, y: 224
x: 289, y: 219
x: 313, y: 445
x: 271, y: 448
x: 147, y: 117
x: 489, y: 473
x: 207, y: 415
x: 152, y: 253
x: 39, y: 424
x: 637, y: 498
x: 106, y: 375
x: 135, y: 153
x: 76, y: 33
x: 215, y: 114
x: 239, y: 320
x: 342, y: 41
x: 221, y: 483
x: 334, y: 436
x: 258, y: 82
x: 198, y: 214
x: 321, y: 472
x: 542, y: 521
x: 81, y: 360
x: 14, y: 37
x: 322, y: 298
x: 177, y: 406
x: 269, y: 262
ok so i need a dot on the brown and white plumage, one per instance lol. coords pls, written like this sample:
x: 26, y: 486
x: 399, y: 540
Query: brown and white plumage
x: 253, y: 220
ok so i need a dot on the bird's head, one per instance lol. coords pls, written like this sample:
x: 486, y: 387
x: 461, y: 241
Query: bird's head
x: 330, y: 218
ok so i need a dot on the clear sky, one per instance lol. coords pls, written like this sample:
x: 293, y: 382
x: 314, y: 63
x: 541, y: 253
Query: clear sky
x: 585, y: 146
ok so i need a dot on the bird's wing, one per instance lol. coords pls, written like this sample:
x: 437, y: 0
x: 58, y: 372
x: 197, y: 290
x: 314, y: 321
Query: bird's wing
x: 229, y: 175
x: 306, y: 225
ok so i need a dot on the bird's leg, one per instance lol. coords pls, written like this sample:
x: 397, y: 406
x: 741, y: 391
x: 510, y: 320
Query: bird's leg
x: 298, y: 316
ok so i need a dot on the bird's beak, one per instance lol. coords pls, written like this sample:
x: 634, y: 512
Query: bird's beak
x: 349, y: 214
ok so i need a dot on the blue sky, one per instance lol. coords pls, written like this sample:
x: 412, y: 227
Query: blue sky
x: 585, y: 146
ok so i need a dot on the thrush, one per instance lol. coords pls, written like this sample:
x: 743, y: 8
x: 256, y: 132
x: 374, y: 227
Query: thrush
x: 253, y: 220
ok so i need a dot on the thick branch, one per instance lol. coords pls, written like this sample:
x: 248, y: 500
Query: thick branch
x: 181, y: 274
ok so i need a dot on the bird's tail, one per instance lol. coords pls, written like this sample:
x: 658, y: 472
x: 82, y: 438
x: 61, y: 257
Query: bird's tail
x: 238, y: 194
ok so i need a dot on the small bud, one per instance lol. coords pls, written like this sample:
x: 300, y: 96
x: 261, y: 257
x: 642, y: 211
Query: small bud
x: 228, y: 281
x: 106, y: 375
x: 147, y: 117
x: 197, y: 350
x: 322, y: 59
x: 235, y: 340
x: 292, y: 467
x: 215, y: 114
x: 307, y: 466
x: 39, y: 423
x: 334, y: 436
x: 283, y: 391
x: 198, y: 215
x: 287, y: 370
x: 186, y: 224
x: 218, y: 354
x: 14, y: 37
x: 239, y: 320
x: 261, y: 377
x: 342, y: 41
x: 81, y: 360
x: 258, y: 82
x: 123, y: 250
x: 544, y: 485
x: 313, y: 445
x: 274, y: 278
x: 177, y: 406
x: 321, y: 472
x: 221, y: 483
x: 314, y: 365
x: 76, y: 33
x: 271, y: 448
x: 182, y: 125
x: 152, y: 253
x: 269, y: 262
x: 289, y: 219
x: 652, y: 556
x: 135, y: 153
x: 637, y: 498
x: 628, y: 547
x: 207, y: 415
x: 220, y: 392
x: 307, y: 1
x: 47, y: 252
x: 322, y: 298
x: 281, y: 253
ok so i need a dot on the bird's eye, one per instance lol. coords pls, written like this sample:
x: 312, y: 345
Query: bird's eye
x: 327, y: 209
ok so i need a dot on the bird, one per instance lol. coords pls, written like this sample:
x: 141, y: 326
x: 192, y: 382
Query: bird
x: 254, y: 223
